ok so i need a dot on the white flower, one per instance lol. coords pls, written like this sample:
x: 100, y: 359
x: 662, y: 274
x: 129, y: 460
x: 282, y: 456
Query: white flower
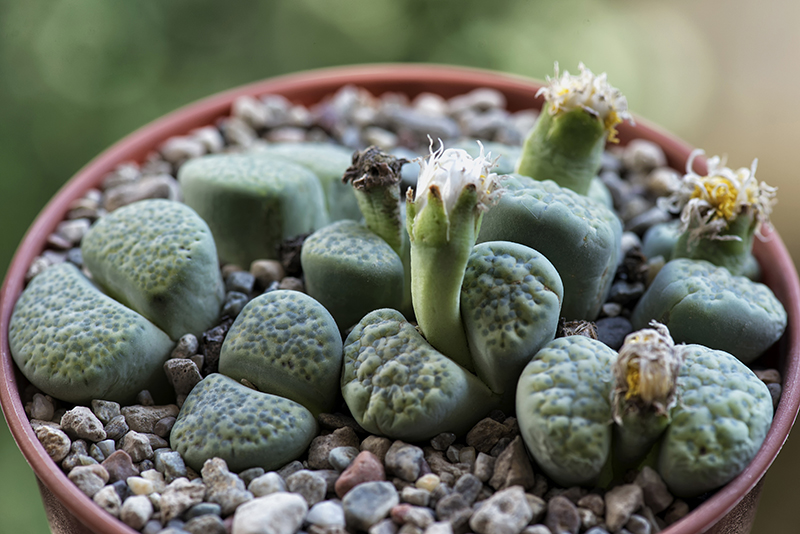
x: 591, y: 93
x: 708, y: 204
x: 450, y: 171
x: 647, y: 369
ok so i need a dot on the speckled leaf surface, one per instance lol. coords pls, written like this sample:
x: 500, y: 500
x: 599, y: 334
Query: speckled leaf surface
x: 397, y: 385
x: 510, y: 304
x: 159, y: 258
x: 224, y: 419
x: 287, y: 344
x: 351, y: 271
x: 564, y: 410
x: 581, y: 238
x: 77, y: 344
x: 704, y: 304
x: 252, y: 203
x: 720, y: 421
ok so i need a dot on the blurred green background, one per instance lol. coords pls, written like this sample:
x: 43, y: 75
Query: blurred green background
x: 77, y: 75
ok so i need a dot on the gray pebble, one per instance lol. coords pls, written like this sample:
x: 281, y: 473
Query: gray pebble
x: 164, y: 426
x: 536, y: 529
x: 136, y: 511
x: 505, y: 512
x: 137, y: 446
x: 513, y: 467
x: 621, y: 502
x: 170, y: 464
x: 562, y: 516
x: 453, y: 508
x: 250, y: 110
x: 538, y: 507
x: 248, y: 475
x: 179, y: 496
x: 404, y: 461
x: 321, y: 447
x: 469, y: 486
x: 161, y: 186
x: 240, y: 282
x: 266, y: 484
x: 223, y: 487
x: 291, y: 468
x: 105, y: 410
x: 144, y: 418
x: 108, y: 499
x: 180, y: 148
x: 153, y: 526
x: 623, y: 292
x: 210, y: 138
x: 82, y: 423
x: 415, y: 496
x: 73, y: 230
x: 75, y: 256
x: 386, y: 526
x: 368, y: 503
x: 55, y: 442
x: 89, y: 478
x: 654, y: 490
x: 156, y: 441
x: 647, y: 219
x: 341, y: 457
x: 234, y: 303
x: 643, y: 156
x: 484, y: 466
x: 42, y: 407
x: 775, y: 391
x: 124, y: 173
x: 96, y: 453
x: 145, y: 398
x: 452, y: 453
x: 277, y: 513
x: 205, y: 524
x: 326, y: 514
x: 187, y: 346
x: 182, y: 374
x: 638, y: 525
x: 116, y: 428
x: 308, y: 484
x: 612, y: 330
x: 440, y: 527
x: 145, y: 465
x: 442, y: 441
x: 204, y: 508
x: 597, y: 530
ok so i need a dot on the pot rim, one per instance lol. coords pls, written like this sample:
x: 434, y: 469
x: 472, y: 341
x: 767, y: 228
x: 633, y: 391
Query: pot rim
x: 308, y: 87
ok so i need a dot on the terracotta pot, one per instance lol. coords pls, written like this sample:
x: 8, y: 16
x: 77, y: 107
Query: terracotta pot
x: 729, y: 510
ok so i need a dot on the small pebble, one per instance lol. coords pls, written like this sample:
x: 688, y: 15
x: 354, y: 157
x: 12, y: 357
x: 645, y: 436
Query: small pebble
x: 267, y: 271
x: 442, y: 441
x: 187, y: 346
x: 119, y: 466
x: 136, y: 511
x: 612, y: 330
x: 140, y: 486
x: 183, y: 375
x: 365, y: 468
x: 55, y: 442
x: 775, y: 391
x: 677, y: 510
x: 404, y: 461
x: 164, y: 426
x: 538, y: 507
x: 291, y: 283
x: 240, y: 282
x: 277, y: 513
x: 42, y: 407
x: 116, y: 428
x: 341, y: 457
x: 562, y: 516
x: 205, y: 524
x: 415, y: 496
x: 621, y: 503
x: 266, y: 484
x: 248, y: 475
x: 170, y: 464
x: 234, y: 303
x: 638, y: 525
x: 326, y: 514
x: 513, y: 467
x: 179, y: 496
x: 82, y: 423
x: 145, y: 398
x: 368, y: 503
x: 308, y: 484
x: 223, y: 487
x: 428, y: 482
x: 593, y: 502
x: 144, y: 418
x: 469, y: 486
x: 137, y: 445
x: 654, y: 490
x: 377, y: 445
x: 536, y: 529
x: 407, y: 514
x: 505, y: 512
x: 321, y: 446
x: 89, y: 478
x: 204, y: 508
x: 108, y: 499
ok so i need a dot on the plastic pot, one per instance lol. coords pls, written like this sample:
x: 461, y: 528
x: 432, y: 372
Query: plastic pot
x: 729, y: 510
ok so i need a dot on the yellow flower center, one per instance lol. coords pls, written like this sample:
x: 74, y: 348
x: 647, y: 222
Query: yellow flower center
x: 632, y: 378
x: 721, y: 194
x: 612, y: 119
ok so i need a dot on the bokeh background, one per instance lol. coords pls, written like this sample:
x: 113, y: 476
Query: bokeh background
x: 77, y: 75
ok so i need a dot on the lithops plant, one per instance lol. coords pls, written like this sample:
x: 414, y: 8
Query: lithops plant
x: 581, y: 237
x: 579, y: 116
x: 352, y: 268
x: 252, y: 203
x: 721, y: 418
x: 720, y: 213
x: 396, y: 384
x: 564, y: 408
x: 510, y: 305
x: 225, y: 419
x: 351, y: 271
x: 159, y: 258
x: 705, y: 304
x: 328, y: 162
x: 286, y: 343
x: 77, y: 344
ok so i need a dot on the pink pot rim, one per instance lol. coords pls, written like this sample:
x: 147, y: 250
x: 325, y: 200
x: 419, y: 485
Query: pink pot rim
x: 308, y: 87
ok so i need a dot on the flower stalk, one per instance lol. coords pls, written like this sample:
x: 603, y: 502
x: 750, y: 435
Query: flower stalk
x: 443, y: 218
x: 566, y: 144
x: 645, y: 375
